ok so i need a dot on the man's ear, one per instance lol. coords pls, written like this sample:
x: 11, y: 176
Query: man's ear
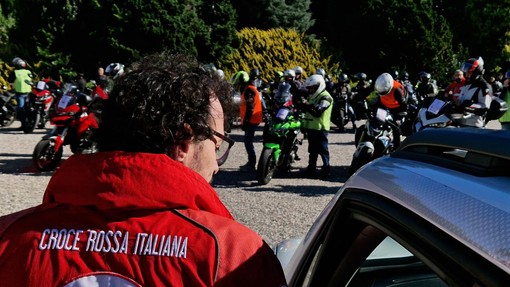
x: 179, y: 151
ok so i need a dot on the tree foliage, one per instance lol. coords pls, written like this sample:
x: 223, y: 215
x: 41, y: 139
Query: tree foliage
x: 266, y: 14
x: 377, y: 36
x: 85, y: 34
x: 275, y: 50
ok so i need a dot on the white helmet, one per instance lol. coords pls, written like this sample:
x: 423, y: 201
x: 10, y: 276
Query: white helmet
x: 320, y: 71
x: 220, y: 73
x: 384, y: 84
x: 315, y: 81
x: 298, y: 70
x: 289, y: 73
x: 114, y: 70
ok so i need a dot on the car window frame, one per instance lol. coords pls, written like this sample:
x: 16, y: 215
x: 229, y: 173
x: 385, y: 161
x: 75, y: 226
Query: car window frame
x: 454, y: 263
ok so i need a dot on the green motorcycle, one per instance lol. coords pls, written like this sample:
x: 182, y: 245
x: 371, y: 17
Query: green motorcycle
x: 280, y: 143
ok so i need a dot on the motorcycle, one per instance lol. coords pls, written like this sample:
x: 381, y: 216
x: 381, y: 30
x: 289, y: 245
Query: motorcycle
x: 374, y: 139
x: 442, y: 113
x: 73, y: 125
x: 342, y: 110
x: 40, y: 101
x: 8, y: 105
x: 280, y: 142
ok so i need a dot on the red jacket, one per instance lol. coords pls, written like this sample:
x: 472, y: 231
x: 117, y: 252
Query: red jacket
x: 140, y: 219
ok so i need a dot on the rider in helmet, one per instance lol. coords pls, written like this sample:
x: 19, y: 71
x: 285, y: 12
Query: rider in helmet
x: 316, y: 124
x: 392, y: 95
x: 342, y: 93
x: 426, y: 88
x: 298, y: 74
x: 476, y: 95
x: 18, y: 79
x: 113, y: 71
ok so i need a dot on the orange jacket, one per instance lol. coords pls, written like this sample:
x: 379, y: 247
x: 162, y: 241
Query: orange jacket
x: 389, y: 100
x: 251, y: 105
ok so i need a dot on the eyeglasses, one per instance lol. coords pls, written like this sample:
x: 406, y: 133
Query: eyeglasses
x: 223, y: 149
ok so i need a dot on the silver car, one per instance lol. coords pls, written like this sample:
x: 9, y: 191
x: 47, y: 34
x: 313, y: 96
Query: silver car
x: 434, y: 213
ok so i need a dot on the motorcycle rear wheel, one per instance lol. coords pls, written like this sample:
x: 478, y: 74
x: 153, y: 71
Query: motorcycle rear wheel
x: 30, y: 122
x: 266, y: 166
x: 9, y: 116
x: 44, y: 156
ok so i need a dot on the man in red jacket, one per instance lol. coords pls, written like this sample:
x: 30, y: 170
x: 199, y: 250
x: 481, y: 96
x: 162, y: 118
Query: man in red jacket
x: 141, y: 212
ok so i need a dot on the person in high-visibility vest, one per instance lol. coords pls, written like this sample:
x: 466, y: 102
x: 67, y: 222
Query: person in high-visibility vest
x: 251, y: 116
x: 18, y: 79
x: 316, y: 124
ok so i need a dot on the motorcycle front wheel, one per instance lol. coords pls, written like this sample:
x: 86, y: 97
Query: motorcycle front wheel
x: 45, y: 157
x: 363, y: 158
x: 266, y: 166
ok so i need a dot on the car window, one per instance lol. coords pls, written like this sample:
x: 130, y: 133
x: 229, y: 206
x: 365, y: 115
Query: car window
x: 386, y: 263
x: 390, y: 264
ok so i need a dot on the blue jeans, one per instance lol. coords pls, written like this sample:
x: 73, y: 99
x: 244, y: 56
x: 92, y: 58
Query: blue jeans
x: 249, y: 134
x: 22, y: 102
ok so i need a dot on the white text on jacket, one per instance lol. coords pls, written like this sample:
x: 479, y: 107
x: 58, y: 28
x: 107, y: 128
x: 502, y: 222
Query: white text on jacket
x: 111, y: 241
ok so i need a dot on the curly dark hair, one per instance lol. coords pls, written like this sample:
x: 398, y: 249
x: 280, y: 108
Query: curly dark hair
x: 150, y: 104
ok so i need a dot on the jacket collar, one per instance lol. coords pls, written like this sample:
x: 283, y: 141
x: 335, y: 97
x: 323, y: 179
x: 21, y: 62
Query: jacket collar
x: 122, y: 180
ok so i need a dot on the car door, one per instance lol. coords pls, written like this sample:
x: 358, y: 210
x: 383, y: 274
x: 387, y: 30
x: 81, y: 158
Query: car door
x: 369, y: 240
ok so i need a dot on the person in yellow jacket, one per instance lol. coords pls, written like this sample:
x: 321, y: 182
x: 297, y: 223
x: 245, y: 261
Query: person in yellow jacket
x: 18, y: 79
x: 317, y: 123
x: 251, y: 116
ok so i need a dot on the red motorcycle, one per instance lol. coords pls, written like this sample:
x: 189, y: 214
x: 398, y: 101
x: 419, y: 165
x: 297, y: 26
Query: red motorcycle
x: 73, y: 125
x: 40, y: 101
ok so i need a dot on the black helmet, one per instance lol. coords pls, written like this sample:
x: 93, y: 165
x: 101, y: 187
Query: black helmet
x: 474, y: 66
x: 343, y: 78
x: 361, y: 76
x: 425, y: 77
x: 405, y: 75
x: 395, y: 74
x: 83, y: 99
x: 254, y: 74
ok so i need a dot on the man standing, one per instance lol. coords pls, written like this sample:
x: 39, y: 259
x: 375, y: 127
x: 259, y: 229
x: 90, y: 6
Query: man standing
x: 141, y: 212
x: 251, y: 117
x: 19, y: 78
x: 316, y: 124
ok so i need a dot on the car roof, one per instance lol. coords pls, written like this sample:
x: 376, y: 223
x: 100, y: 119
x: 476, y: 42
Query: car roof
x: 456, y: 179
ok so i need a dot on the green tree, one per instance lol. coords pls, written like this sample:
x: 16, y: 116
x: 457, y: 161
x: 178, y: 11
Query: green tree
x: 80, y: 35
x: 7, y: 22
x: 376, y: 36
x: 267, y: 14
x: 488, y: 24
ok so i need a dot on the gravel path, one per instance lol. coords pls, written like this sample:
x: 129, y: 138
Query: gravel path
x: 284, y: 208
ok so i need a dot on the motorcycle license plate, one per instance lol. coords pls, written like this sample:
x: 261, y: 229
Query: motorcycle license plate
x: 436, y: 106
x: 64, y: 101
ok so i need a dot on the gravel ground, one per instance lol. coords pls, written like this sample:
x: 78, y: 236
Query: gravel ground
x: 284, y: 208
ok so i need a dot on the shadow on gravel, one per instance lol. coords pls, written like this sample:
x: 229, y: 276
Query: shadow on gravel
x: 19, y: 163
x: 17, y: 131
x: 294, y: 182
